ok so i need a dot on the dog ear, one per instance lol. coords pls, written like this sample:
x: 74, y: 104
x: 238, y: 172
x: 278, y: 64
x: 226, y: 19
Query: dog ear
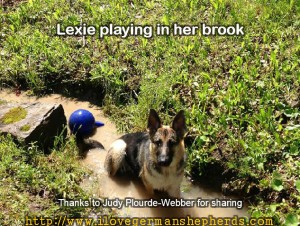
x: 179, y: 125
x: 154, y: 122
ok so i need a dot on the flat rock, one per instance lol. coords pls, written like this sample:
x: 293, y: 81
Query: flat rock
x: 43, y: 122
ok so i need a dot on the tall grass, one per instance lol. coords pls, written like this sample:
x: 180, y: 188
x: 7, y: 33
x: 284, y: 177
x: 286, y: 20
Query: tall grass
x: 240, y: 93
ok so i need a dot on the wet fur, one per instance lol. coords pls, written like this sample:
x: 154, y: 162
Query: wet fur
x: 157, y: 157
x: 85, y: 144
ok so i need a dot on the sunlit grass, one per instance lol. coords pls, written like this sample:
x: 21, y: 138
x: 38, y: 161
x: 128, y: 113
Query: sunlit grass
x: 240, y: 94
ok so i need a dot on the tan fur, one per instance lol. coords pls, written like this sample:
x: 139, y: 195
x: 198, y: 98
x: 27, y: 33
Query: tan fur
x: 169, y: 180
x: 115, y: 156
x: 161, y: 164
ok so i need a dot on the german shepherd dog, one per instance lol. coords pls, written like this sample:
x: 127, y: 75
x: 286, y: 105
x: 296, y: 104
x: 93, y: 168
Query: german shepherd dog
x: 157, y: 157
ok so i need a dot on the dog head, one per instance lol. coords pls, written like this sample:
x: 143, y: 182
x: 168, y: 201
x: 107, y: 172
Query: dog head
x: 167, y: 141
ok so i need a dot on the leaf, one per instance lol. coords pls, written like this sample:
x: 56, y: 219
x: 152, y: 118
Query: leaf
x: 273, y: 207
x: 264, y: 183
x: 276, y: 183
x: 204, y: 138
x: 257, y: 214
x: 260, y: 166
x: 291, y: 113
x: 291, y: 220
x: 214, y: 4
x: 260, y: 84
x: 166, y: 20
x: 276, y: 175
x: 293, y: 127
x: 298, y: 185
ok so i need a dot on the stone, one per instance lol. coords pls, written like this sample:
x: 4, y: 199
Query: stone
x: 33, y: 122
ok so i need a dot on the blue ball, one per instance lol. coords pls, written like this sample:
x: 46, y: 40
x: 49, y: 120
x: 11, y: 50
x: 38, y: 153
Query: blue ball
x: 82, y: 122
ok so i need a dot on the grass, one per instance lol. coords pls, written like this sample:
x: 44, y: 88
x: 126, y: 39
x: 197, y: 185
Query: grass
x: 240, y: 93
x: 31, y: 182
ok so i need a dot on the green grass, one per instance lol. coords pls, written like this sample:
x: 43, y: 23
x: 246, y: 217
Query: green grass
x: 31, y: 182
x: 240, y: 93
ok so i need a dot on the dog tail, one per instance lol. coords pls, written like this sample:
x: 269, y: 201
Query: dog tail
x: 115, y: 157
x: 85, y: 144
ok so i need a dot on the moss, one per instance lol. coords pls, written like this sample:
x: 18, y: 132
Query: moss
x: 25, y: 128
x: 14, y: 115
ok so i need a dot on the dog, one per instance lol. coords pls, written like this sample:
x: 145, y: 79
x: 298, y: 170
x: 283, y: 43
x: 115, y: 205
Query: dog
x: 157, y: 156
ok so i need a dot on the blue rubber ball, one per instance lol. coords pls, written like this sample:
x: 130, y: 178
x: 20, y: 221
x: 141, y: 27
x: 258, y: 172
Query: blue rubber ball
x: 81, y: 122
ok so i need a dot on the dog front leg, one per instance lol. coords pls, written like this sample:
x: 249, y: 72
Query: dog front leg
x: 149, y: 188
x: 147, y: 185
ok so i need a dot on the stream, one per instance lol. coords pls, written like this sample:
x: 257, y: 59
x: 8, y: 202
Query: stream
x: 102, y: 185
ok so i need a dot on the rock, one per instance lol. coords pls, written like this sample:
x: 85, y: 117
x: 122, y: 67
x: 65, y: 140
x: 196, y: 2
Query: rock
x: 33, y: 122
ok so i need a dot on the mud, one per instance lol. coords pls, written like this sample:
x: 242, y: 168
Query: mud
x: 102, y: 185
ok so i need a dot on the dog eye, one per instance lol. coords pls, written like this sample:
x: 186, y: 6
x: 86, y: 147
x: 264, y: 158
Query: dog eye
x: 172, y: 142
x: 158, y: 142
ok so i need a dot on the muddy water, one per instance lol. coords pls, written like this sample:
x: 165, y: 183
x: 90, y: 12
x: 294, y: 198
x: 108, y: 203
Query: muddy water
x: 105, y: 135
x: 102, y: 185
x: 123, y: 187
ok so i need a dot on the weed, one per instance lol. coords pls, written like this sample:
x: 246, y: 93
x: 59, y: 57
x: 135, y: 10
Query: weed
x: 240, y: 94
x: 34, y: 181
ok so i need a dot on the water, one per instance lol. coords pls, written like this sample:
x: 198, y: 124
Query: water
x: 121, y: 187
